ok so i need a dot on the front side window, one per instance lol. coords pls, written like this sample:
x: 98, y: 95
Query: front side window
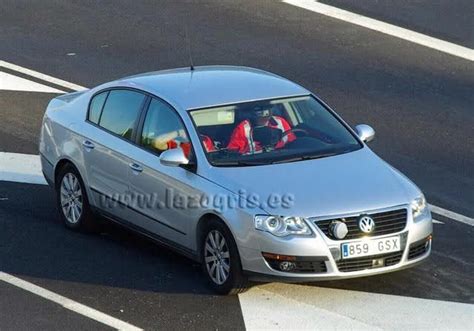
x: 163, y: 129
x: 272, y: 131
x: 121, y: 111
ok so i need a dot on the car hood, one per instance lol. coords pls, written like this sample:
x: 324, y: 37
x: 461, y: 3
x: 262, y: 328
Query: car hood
x: 353, y: 182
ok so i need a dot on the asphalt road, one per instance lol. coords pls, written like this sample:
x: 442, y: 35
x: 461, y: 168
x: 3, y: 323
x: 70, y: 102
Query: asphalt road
x: 116, y: 271
x: 419, y: 101
x: 449, y: 20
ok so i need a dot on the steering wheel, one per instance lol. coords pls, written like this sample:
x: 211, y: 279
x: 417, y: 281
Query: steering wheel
x: 294, y: 131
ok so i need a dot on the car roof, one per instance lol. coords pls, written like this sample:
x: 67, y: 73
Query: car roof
x: 207, y: 86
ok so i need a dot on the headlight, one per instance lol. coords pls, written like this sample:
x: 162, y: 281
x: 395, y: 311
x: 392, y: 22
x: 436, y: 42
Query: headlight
x: 282, y: 226
x: 419, y: 207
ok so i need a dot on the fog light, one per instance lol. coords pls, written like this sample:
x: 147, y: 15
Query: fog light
x: 287, y: 266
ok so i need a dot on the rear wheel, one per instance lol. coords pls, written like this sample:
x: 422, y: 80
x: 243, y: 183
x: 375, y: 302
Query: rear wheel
x: 72, y: 200
x: 221, y: 260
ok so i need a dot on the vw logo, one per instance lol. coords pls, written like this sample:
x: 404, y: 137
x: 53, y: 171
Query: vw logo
x: 366, y: 224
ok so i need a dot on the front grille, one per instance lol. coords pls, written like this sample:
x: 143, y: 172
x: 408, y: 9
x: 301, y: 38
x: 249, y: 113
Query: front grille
x: 417, y: 249
x: 385, y: 223
x: 366, y: 262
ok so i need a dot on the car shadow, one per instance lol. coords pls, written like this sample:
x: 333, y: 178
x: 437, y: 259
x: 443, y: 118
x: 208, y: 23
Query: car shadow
x: 111, y: 270
x: 35, y: 243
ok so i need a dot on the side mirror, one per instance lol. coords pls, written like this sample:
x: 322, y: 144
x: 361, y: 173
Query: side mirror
x: 365, y: 132
x: 173, y: 157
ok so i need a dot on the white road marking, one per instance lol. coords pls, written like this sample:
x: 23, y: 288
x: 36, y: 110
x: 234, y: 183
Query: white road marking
x: 390, y: 29
x: 14, y: 83
x: 437, y: 222
x: 452, y: 215
x: 22, y: 168
x: 68, y: 303
x: 26, y: 168
x: 287, y: 306
x: 266, y: 310
x: 41, y: 76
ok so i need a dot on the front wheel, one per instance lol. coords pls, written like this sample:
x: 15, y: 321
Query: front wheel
x: 221, y: 260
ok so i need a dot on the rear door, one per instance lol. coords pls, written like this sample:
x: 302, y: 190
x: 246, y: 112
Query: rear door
x: 113, y: 116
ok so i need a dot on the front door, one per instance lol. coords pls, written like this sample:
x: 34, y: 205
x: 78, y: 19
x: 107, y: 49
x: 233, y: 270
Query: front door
x: 163, y: 193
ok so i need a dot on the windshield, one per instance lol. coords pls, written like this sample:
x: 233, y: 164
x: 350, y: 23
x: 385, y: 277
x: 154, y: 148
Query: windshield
x: 271, y: 131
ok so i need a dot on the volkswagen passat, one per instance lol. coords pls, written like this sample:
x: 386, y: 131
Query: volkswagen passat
x: 242, y: 170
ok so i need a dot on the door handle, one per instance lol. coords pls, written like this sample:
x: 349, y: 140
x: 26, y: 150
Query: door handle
x: 87, y: 144
x: 136, y: 167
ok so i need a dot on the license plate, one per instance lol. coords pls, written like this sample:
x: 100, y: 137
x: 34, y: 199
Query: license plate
x: 370, y: 247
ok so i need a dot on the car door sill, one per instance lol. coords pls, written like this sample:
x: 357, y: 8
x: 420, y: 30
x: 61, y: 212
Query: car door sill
x: 154, y: 237
x: 137, y: 211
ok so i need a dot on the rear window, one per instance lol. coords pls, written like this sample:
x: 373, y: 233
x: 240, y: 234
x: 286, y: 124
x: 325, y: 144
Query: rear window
x: 121, y: 111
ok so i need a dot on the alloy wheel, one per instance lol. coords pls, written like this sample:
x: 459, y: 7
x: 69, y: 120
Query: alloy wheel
x: 71, y: 198
x: 217, y: 257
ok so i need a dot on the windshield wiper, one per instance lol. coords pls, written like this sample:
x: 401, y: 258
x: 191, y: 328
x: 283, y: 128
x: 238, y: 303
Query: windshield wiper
x: 253, y: 163
x: 281, y: 160
x: 241, y: 163
x: 305, y: 157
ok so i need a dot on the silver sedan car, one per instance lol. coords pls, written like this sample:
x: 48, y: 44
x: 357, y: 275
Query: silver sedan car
x: 240, y: 169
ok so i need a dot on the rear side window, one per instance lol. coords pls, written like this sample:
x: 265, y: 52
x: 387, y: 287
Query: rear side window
x: 96, y: 107
x: 121, y: 111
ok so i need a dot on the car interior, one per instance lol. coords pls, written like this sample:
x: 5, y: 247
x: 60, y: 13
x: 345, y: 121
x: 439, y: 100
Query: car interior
x: 220, y: 127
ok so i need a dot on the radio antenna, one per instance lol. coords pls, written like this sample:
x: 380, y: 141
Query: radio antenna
x: 188, y: 43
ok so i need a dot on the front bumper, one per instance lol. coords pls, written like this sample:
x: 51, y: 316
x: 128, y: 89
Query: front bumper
x: 416, y: 247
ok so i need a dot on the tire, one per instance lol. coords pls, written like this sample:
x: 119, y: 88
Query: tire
x: 72, y: 201
x: 226, y: 259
